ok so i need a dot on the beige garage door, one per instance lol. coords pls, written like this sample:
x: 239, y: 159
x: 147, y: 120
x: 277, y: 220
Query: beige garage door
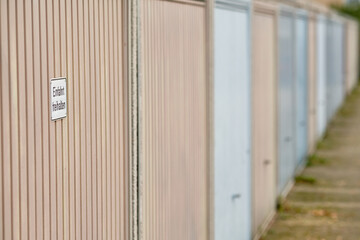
x: 351, y: 67
x: 172, y: 120
x: 264, y: 115
x: 63, y: 179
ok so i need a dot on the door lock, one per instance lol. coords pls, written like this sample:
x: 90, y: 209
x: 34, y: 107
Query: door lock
x: 235, y: 196
x: 267, y: 161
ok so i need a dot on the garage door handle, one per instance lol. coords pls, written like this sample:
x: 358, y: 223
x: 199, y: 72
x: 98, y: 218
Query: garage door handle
x: 235, y: 196
x: 267, y: 161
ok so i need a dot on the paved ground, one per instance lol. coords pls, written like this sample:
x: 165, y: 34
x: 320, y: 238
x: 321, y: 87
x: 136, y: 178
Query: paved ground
x: 325, y: 202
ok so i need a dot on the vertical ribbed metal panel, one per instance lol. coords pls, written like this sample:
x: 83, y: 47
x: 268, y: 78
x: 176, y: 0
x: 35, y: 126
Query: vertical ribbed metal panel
x: 340, y: 63
x: 232, y: 121
x: 63, y: 179
x: 286, y: 98
x: 264, y: 111
x: 352, y: 35
x: 173, y: 120
x: 321, y: 73
x: 301, y: 86
x: 330, y: 70
x: 334, y: 64
x: 312, y: 85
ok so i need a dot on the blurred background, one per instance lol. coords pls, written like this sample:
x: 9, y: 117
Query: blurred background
x: 179, y: 119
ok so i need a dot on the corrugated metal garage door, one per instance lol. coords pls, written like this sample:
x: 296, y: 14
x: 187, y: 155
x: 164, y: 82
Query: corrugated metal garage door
x: 264, y: 115
x: 321, y: 75
x: 301, y: 86
x: 335, y: 73
x: 63, y: 179
x: 312, y: 84
x: 351, y: 55
x: 286, y: 98
x: 232, y: 121
x: 173, y: 166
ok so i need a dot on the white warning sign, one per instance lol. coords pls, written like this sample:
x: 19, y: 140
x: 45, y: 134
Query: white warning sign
x: 58, y: 107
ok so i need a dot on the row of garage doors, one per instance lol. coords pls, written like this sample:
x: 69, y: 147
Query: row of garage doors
x: 275, y: 91
x: 185, y: 119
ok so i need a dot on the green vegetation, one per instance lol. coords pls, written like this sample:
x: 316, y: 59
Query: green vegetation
x: 326, y: 143
x: 305, y: 179
x: 351, y: 9
x: 280, y: 204
x: 315, y: 160
x: 345, y: 112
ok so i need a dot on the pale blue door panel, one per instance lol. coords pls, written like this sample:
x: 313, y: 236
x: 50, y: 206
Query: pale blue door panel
x: 335, y: 90
x: 286, y: 101
x: 321, y: 76
x: 232, y: 124
x: 331, y: 71
x: 301, y: 88
x: 339, y: 61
